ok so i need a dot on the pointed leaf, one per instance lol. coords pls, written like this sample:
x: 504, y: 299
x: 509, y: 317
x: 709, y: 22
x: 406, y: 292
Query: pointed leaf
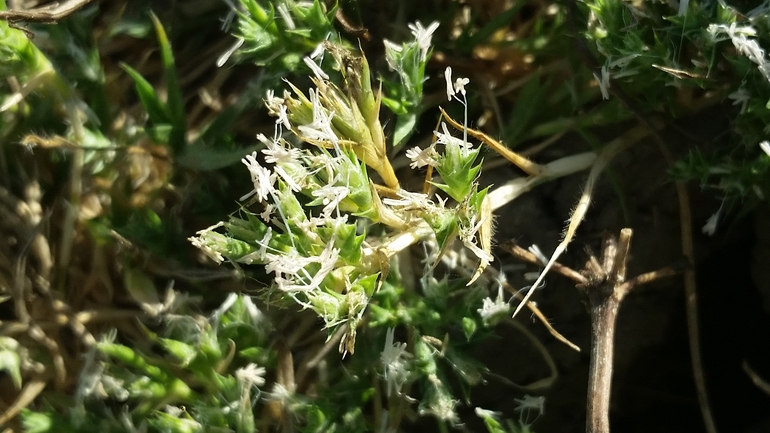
x: 156, y: 110
x: 404, y: 128
x: 174, y: 105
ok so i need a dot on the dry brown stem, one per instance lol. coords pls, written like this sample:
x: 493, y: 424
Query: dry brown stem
x: 45, y: 14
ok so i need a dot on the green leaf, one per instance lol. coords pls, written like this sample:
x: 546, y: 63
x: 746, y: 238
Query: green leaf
x: 156, y: 110
x: 185, y: 353
x: 457, y: 171
x: 444, y: 224
x: 367, y: 284
x: 349, y: 243
x: 174, y: 104
x: 396, y: 106
x: 316, y: 17
x: 404, y: 128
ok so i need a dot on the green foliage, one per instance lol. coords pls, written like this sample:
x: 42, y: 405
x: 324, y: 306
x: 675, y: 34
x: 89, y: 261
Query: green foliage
x: 667, y: 50
x: 280, y: 41
x: 404, y: 97
x: 328, y: 226
x: 167, y: 118
x: 213, y: 355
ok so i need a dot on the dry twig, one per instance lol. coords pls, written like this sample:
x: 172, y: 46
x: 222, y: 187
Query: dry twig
x: 604, y: 281
x: 46, y: 14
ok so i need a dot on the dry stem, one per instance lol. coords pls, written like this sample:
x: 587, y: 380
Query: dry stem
x: 605, y: 284
x: 45, y: 14
x: 685, y: 221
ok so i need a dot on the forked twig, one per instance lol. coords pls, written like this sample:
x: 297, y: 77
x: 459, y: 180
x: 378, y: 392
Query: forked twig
x: 606, y: 291
x: 604, y: 281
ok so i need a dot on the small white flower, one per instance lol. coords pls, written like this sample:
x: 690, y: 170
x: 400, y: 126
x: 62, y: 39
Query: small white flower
x: 447, y: 139
x: 460, y: 84
x: 490, y: 308
x: 173, y: 411
x: 392, y: 55
x: 332, y: 196
x: 423, y: 37
x: 393, y: 359
x: 289, y: 263
x: 409, y: 199
x: 327, y: 260
x: 261, y: 254
x: 317, y: 71
x: 739, y: 35
x: 283, y: 117
x: 321, y: 127
x: 256, y: 316
x: 231, y: 299
x: 279, y: 393
x: 251, y: 375
x: 450, y: 90
x: 260, y: 177
x: 422, y: 157
x: 443, y: 406
x: 529, y: 403
x: 273, y: 103
x: 267, y: 213
x: 114, y: 387
x: 749, y: 48
x: 683, y: 4
x: 276, y: 153
x: 90, y: 374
